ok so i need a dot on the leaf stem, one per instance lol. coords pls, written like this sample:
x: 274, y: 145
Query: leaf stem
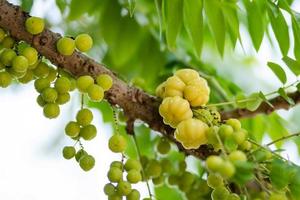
x: 283, y: 138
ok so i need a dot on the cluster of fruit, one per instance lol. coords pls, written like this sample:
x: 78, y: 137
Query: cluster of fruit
x: 117, y: 188
x: 19, y: 61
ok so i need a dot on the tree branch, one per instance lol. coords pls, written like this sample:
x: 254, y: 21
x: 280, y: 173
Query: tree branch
x: 136, y: 103
x: 277, y: 102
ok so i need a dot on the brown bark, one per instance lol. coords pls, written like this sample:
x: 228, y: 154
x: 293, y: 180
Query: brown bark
x: 136, y: 103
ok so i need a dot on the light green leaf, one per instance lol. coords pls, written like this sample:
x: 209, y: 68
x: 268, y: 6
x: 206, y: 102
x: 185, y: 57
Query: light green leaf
x: 27, y: 5
x: 216, y: 22
x: 253, y: 104
x: 172, y: 17
x: 79, y: 7
x: 239, y: 99
x: 296, y: 33
x: 278, y: 174
x: 278, y: 71
x: 131, y: 7
x: 276, y: 128
x: 294, y: 65
x: 283, y: 94
x: 244, y: 172
x: 61, y: 4
x: 295, y: 185
x: 255, y: 22
x: 193, y: 21
x: 264, y: 98
x: 280, y: 29
x: 165, y: 192
x: 284, y: 5
x: 229, y: 10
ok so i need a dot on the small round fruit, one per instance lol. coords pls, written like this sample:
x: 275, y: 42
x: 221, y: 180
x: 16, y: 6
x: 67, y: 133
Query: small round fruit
x: 7, y: 56
x: 27, y: 78
x: 213, y: 163
x: 158, y: 180
x: 227, y: 170
x: 214, y: 180
x: 134, y: 176
x: 80, y: 154
x: 41, y: 102
x: 63, y: 98
x: 31, y: 54
x: 220, y: 193
x: 5, y: 79
x: 8, y: 42
x: 153, y: 169
x: 109, y: 189
x: 187, y: 178
x: 34, y: 25
x: 123, y: 188
x: 95, y: 92
x: 65, y: 46
x: 173, y: 180
x: 191, y: 133
x: 87, y: 162
x: 233, y: 196
x: 117, y: 143
x: 133, y: 195
x: 117, y: 164
x: 69, y: 152
x: 132, y: 164
x: 114, y: 174
x: 72, y: 129
x: 83, y: 83
x: 41, y: 70
x: 114, y: 197
x: 88, y: 132
x: 83, y: 42
x: 62, y: 85
x: 105, y: 81
x: 166, y: 165
x: 20, y: 64
x: 84, y: 117
x: 51, y: 110
x: 52, y: 74
x: 240, y: 136
x: 49, y: 95
x: 245, y: 146
x: 163, y: 146
x: 41, y: 84
x: 234, y: 123
x: 237, y: 156
x: 182, y: 166
x: 225, y: 131
x: 277, y: 196
x: 173, y: 86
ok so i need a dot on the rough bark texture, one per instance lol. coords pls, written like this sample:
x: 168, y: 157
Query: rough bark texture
x: 135, y: 103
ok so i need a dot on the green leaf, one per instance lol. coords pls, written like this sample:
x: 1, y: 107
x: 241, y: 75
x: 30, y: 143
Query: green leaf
x: 193, y: 21
x: 264, y: 98
x: 284, y: 5
x: 278, y: 71
x: 295, y: 185
x: 280, y: 29
x: 294, y: 65
x: 278, y: 174
x: 252, y: 105
x: 238, y: 98
x: 79, y: 7
x: 165, y: 192
x: 276, y: 128
x: 283, y: 94
x: 216, y: 22
x: 172, y: 17
x: 61, y: 4
x: 229, y: 10
x: 27, y: 5
x: 296, y: 33
x: 244, y: 172
x: 255, y: 22
x: 230, y: 144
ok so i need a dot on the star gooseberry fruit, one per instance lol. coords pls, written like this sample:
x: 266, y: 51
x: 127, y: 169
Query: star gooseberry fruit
x: 197, y: 92
x: 191, y: 133
x: 174, y: 110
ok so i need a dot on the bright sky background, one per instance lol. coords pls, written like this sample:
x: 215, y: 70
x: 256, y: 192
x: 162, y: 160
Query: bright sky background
x: 32, y: 167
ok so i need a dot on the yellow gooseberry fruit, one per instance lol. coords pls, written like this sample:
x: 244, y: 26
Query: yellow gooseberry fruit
x: 187, y: 75
x: 160, y: 90
x: 174, y: 110
x: 174, y: 86
x: 197, y: 92
x: 191, y: 133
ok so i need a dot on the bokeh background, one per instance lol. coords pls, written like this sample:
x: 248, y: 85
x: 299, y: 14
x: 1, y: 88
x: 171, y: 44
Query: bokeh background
x: 32, y: 167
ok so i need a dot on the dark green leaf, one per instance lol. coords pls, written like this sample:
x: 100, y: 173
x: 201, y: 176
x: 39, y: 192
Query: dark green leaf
x: 244, y: 172
x: 79, y: 7
x: 278, y: 71
x: 278, y: 174
x: 27, y: 5
x: 283, y: 94
x: 296, y: 33
x: 229, y: 10
x: 255, y: 22
x: 280, y: 29
x: 131, y: 7
x: 254, y: 103
x: 172, y: 15
x: 294, y: 65
x: 193, y: 21
x: 216, y: 22
x: 295, y: 184
x: 284, y: 5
